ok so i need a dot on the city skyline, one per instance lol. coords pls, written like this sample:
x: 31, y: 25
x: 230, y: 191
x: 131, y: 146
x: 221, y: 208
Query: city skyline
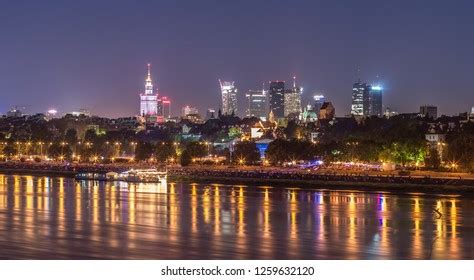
x: 85, y: 62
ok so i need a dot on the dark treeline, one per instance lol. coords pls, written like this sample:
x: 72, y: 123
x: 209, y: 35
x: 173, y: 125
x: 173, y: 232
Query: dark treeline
x: 400, y: 140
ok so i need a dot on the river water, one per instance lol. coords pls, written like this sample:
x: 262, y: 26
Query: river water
x: 59, y: 218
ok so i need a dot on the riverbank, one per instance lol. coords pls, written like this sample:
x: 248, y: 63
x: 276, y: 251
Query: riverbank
x: 275, y: 177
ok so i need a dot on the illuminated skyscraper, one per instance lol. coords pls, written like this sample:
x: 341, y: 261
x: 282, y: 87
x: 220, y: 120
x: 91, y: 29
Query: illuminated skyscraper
x: 148, y: 100
x: 375, y: 101
x: 360, y: 97
x: 366, y: 100
x: 292, y: 97
x: 229, y: 97
x: 257, y: 104
x: 276, y: 96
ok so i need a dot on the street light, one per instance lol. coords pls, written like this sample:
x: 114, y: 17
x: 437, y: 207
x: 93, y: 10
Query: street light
x: 40, y: 144
x: 453, y: 166
x: 28, y: 145
x: 208, y: 147
x: 117, y: 146
x: 18, y: 152
x: 94, y: 159
x: 134, y: 146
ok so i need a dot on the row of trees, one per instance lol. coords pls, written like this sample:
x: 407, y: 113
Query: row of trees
x: 56, y: 151
x: 407, y: 152
x: 458, y: 152
x: 399, y: 140
x: 460, y: 147
x: 168, y: 152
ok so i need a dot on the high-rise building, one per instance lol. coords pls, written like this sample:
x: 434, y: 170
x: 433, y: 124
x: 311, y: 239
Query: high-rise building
x: 429, y: 111
x: 375, y: 101
x: 360, y: 96
x: 293, y: 100
x: 166, y: 107
x: 318, y: 102
x: 276, y: 95
x: 257, y: 104
x: 366, y: 100
x: 148, y: 99
x: 229, y: 97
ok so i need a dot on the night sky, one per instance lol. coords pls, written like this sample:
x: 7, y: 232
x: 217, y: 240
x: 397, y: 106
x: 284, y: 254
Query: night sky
x: 93, y: 54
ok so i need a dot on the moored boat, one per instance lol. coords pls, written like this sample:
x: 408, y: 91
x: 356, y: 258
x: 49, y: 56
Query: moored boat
x: 133, y: 175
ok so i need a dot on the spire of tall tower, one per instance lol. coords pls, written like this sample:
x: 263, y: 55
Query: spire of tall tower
x: 294, y: 81
x: 149, y: 72
x: 148, y: 81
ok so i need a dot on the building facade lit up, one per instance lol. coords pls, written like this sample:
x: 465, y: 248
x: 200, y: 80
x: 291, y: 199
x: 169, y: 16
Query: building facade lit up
x: 360, y: 95
x: 366, y: 100
x: 229, y: 97
x: 257, y: 104
x: 148, y: 99
x: 375, y: 101
x: 188, y: 110
x: 292, y: 103
x: 153, y: 108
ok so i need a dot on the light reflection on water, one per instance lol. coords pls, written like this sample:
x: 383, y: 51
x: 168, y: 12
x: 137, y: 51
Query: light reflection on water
x: 43, y: 217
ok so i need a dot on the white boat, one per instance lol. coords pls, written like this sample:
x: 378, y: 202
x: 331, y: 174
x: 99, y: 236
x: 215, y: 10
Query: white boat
x: 138, y: 175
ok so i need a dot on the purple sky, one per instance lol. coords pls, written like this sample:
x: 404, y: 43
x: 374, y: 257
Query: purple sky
x: 93, y: 54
